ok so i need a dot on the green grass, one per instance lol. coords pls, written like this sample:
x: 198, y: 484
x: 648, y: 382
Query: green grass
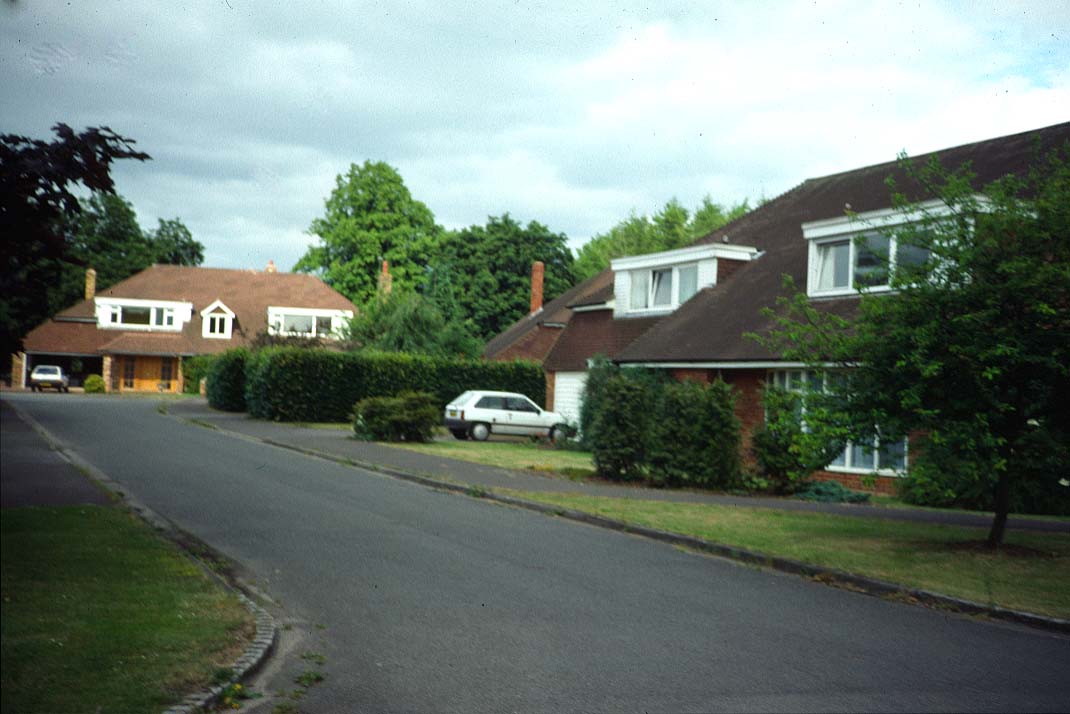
x: 1033, y: 574
x: 329, y: 426
x: 510, y: 455
x: 102, y: 615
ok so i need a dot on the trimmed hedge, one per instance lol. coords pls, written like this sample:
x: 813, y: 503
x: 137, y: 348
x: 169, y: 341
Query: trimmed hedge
x: 288, y: 384
x: 194, y: 369
x: 410, y: 416
x: 94, y: 384
x: 226, y: 380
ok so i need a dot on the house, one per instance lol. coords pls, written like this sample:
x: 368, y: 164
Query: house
x: 135, y: 333
x: 690, y: 311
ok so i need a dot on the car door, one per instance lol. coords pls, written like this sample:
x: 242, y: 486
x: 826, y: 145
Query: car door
x: 491, y: 410
x: 525, y: 417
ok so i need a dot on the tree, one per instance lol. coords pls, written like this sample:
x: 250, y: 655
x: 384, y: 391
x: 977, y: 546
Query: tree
x: 37, y: 203
x: 489, y: 268
x: 670, y: 228
x: 370, y: 217
x: 404, y: 321
x: 971, y: 348
x: 173, y: 244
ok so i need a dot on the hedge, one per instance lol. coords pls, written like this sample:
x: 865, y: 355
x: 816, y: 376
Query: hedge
x: 410, y: 416
x: 289, y: 384
x: 226, y: 380
x: 194, y: 369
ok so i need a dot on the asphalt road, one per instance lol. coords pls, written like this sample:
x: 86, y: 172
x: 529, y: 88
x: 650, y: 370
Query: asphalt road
x: 425, y: 601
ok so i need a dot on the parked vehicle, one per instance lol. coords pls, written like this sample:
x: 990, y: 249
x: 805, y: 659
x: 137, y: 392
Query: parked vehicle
x: 49, y: 375
x: 478, y: 414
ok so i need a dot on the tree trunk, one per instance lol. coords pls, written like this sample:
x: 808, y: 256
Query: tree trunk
x: 1002, y: 506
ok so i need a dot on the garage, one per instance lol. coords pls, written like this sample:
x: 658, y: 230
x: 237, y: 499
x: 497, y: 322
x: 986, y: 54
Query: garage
x: 568, y: 394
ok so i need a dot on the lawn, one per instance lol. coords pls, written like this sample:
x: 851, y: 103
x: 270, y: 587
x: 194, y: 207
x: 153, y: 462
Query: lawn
x: 100, y: 614
x: 510, y: 455
x: 1033, y: 574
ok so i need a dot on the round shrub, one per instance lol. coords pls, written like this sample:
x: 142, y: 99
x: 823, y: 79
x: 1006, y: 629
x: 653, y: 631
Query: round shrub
x: 410, y: 416
x: 94, y: 384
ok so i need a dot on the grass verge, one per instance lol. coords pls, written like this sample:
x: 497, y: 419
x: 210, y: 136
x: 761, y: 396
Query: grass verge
x: 510, y: 455
x: 1031, y: 574
x: 100, y: 614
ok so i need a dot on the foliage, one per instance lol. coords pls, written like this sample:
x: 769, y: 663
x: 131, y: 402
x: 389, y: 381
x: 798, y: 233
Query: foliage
x: 670, y: 228
x: 598, y: 373
x: 226, y: 380
x: 695, y: 436
x: 972, y: 346
x: 38, y: 184
x: 94, y: 384
x: 488, y: 270
x: 621, y: 427
x: 288, y: 384
x: 410, y: 416
x: 403, y: 321
x: 830, y: 492
x: 173, y: 244
x: 194, y: 369
x: 369, y: 217
x: 785, y: 450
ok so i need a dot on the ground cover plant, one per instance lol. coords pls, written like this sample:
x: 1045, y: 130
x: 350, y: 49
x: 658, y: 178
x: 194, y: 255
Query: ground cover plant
x: 102, y: 615
x: 1031, y: 572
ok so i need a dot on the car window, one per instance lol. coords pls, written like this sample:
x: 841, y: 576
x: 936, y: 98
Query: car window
x: 491, y: 403
x: 520, y: 404
x: 46, y: 370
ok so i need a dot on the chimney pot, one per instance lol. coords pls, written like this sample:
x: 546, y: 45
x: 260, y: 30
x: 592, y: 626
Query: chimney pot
x: 90, y: 284
x: 538, y: 268
x: 270, y: 267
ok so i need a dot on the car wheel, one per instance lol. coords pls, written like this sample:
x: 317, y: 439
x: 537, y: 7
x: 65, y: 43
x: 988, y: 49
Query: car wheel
x: 557, y: 434
x: 459, y: 434
x: 480, y: 432
x: 66, y: 390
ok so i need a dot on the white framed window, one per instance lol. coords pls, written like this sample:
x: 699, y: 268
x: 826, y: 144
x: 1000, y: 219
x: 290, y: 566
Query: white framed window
x: 217, y: 321
x: 138, y: 314
x: 664, y: 288
x: 307, y: 322
x: 888, y: 458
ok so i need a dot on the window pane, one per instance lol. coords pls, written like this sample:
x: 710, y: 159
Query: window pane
x: 640, y: 289
x: 157, y: 316
x: 893, y: 455
x: 662, y: 287
x: 136, y: 315
x: 910, y: 257
x: 833, y: 264
x: 862, y: 456
x: 323, y: 326
x: 871, y: 261
x: 490, y: 403
x: 301, y: 324
x: 688, y: 282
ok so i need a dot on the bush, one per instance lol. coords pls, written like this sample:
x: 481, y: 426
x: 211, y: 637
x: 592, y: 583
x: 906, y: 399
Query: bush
x: 286, y: 384
x: 601, y: 370
x: 226, y: 380
x: 94, y: 384
x: 621, y: 428
x: 695, y: 436
x: 830, y: 492
x: 194, y: 369
x: 410, y: 416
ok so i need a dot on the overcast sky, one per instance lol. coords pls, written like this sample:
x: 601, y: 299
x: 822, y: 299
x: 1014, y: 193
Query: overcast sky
x: 572, y: 114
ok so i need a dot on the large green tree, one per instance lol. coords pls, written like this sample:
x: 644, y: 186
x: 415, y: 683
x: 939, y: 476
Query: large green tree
x: 670, y: 228
x: 173, y: 244
x: 38, y: 184
x: 405, y: 321
x: 488, y: 270
x: 370, y: 216
x: 970, y: 349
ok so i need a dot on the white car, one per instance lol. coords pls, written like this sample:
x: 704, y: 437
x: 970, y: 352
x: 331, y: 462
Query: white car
x: 49, y: 375
x: 478, y: 414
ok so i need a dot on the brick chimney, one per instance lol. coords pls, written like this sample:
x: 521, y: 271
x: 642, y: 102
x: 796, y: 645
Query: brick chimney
x: 538, y: 268
x: 90, y: 284
x: 386, y: 280
x: 270, y: 267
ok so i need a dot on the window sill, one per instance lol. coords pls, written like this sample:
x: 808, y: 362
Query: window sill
x: 864, y: 472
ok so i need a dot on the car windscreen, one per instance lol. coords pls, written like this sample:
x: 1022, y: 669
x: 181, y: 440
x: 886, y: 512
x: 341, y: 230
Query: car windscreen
x: 46, y: 370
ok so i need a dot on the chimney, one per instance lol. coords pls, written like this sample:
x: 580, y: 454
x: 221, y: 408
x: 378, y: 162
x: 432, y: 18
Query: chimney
x: 537, y: 270
x: 90, y: 284
x: 270, y: 267
x: 386, y: 280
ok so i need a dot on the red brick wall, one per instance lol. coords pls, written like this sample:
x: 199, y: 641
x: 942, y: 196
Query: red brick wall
x: 702, y: 376
x: 748, y: 384
x: 886, y: 485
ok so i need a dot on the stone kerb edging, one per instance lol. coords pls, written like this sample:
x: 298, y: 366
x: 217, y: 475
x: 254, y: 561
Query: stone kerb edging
x: 266, y: 631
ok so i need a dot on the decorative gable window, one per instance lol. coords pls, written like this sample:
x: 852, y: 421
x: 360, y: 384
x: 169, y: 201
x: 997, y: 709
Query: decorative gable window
x: 136, y: 314
x: 861, y: 252
x: 660, y: 282
x: 307, y: 322
x: 217, y: 321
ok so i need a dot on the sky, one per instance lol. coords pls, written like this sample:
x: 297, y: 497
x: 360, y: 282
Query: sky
x: 572, y: 114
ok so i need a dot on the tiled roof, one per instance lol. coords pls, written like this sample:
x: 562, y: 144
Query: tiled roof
x: 247, y: 293
x: 592, y: 333
x: 713, y: 325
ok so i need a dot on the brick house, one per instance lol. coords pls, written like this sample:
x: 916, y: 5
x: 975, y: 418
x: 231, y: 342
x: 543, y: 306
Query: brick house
x: 135, y: 333
x: 690, y: 310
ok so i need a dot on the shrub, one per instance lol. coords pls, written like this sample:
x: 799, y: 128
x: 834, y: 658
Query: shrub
x: 94, y: 384
x: 601, y: 370
x: 194, y: 369
x: 410, y: 416
x: 695, y: 436
x: 226, y: 380
x: 830, y: 492
x: 621, y: 428
x: 286, y: 384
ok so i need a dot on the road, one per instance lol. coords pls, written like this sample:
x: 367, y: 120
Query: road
x: 426, y: 601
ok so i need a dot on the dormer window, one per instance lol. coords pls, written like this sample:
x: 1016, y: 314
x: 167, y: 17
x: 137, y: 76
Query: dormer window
x: 217, y: 321
x: 136, y: 314
x: 307, y: 322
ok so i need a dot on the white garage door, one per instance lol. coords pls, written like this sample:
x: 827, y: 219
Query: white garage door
x: 568, y: 394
